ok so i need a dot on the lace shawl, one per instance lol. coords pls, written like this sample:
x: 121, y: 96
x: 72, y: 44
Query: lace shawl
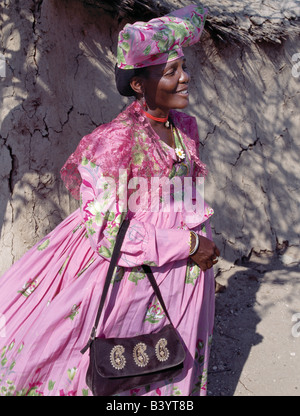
x: 129, y: 142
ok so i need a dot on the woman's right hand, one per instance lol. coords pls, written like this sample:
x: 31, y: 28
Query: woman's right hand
x: 206, y: 254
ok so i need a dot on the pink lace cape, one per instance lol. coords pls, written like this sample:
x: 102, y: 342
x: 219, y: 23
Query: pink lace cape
x: 129, y: 142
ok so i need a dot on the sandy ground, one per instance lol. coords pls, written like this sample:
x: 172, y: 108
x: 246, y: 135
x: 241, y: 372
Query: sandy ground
x: 256, y: 346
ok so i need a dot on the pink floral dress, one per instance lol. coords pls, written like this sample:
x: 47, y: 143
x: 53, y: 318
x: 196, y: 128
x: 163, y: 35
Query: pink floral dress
x: 49, y: 298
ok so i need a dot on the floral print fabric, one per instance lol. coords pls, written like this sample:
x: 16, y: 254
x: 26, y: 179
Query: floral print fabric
x: 129, y: 143
x: 49, y: 298
x: 161, y: 39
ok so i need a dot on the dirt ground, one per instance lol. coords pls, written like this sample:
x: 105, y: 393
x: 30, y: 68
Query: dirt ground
x: 256, y: 344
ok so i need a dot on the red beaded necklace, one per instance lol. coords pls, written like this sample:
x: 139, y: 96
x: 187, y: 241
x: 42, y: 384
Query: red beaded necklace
x: 160, y: 119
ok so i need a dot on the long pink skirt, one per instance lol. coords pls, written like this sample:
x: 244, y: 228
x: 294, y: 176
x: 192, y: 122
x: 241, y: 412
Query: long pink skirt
x: 48, y: 303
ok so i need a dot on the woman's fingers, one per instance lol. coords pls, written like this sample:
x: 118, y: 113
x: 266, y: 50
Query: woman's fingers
x: 217, y: 251
x: 207, y: 254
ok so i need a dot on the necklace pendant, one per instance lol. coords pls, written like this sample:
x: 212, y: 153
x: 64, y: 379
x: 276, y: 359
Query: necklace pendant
x: 167, y: 124
x: 180, y: 153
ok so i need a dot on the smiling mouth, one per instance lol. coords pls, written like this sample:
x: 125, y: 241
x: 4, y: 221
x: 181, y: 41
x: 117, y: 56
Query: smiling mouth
x: 183, y: 92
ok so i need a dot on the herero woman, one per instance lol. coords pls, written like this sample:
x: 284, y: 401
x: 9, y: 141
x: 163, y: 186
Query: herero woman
x: 49, y: 298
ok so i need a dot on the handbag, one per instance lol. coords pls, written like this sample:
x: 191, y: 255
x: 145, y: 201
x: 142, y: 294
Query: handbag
x: 120, y: 364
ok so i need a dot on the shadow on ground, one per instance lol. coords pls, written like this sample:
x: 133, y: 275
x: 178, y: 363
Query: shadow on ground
x: 236, y: 318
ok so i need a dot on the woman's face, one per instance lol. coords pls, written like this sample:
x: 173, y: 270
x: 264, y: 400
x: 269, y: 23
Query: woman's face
x: 166, y: 86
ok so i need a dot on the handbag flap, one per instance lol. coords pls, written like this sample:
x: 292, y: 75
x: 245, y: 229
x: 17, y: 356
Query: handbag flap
x: 142, y: 354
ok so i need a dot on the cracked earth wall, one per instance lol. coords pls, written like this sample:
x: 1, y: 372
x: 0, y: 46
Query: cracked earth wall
x: 59, y: 86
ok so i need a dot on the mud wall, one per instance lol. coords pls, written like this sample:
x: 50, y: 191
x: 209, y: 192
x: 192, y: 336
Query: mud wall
x: 59, y: 85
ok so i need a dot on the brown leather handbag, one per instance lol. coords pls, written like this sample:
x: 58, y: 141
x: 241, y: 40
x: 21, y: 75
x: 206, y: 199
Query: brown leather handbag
x: 120, y: 364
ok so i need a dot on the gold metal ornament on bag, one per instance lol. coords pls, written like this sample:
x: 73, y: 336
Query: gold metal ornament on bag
x: 120, y: 364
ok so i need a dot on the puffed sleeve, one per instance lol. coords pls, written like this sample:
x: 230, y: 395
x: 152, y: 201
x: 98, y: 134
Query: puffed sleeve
x: 103, y: 211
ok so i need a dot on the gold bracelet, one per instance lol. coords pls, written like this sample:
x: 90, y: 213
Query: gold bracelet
x: 193, y: 251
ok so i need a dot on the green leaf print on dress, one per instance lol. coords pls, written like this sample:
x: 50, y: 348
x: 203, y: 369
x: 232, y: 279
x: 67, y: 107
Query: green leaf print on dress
x: 29, y: 287
x: 71, y: 373
x: 86, y: 267
x: 154, y: 312
x: 8, y: 362
x: 35, y: 386
x: 118, y: 274
x: 63, y: 266
x: 51, y: 385
x: 192, y: 272
x: 150, y: 263
x: 43, y: 245
x: 201, y: 383
x: 136, y: 274
x: 104, y: 251
x: 176, y: 391
x: 74, y: 311
x: 99, y: 213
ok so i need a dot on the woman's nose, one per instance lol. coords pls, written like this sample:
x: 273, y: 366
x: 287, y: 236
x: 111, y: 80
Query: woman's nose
x: 184, y: 76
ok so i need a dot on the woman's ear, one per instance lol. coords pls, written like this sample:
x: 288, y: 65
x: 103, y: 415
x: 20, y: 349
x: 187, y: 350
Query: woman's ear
x: 136, y: 84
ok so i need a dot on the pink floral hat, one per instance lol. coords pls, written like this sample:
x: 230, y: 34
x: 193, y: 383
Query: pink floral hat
x: 161, y: 39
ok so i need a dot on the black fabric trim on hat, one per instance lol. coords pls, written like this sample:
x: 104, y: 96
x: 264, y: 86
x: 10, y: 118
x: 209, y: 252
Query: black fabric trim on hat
x: 123, y: 77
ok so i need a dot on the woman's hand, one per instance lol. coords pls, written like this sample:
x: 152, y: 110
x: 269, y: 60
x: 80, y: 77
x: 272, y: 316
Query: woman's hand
x: 207, y: 253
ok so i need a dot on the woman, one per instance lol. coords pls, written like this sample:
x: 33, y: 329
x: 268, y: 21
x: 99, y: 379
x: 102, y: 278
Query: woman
x: 50, y: 297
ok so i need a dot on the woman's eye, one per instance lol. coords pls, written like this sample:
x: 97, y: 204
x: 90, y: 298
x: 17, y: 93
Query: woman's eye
x: 171, y: 72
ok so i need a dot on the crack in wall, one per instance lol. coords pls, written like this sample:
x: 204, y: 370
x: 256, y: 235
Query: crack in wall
x: 63, y: 123
x: 36, y: 13
x: 35, y: 116
x: 14, y: 163
x: 208, y: 134
x: 245, y: 149
x: 13, y: 170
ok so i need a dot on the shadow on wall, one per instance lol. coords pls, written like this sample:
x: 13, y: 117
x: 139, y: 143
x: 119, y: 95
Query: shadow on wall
x: 58, y: 87
x: 246, y: 104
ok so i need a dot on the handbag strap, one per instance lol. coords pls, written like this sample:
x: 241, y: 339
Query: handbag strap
x: 152, y: 280
x: 113, y: 263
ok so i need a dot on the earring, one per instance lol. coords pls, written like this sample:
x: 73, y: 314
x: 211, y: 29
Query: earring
x: 144, y: 104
